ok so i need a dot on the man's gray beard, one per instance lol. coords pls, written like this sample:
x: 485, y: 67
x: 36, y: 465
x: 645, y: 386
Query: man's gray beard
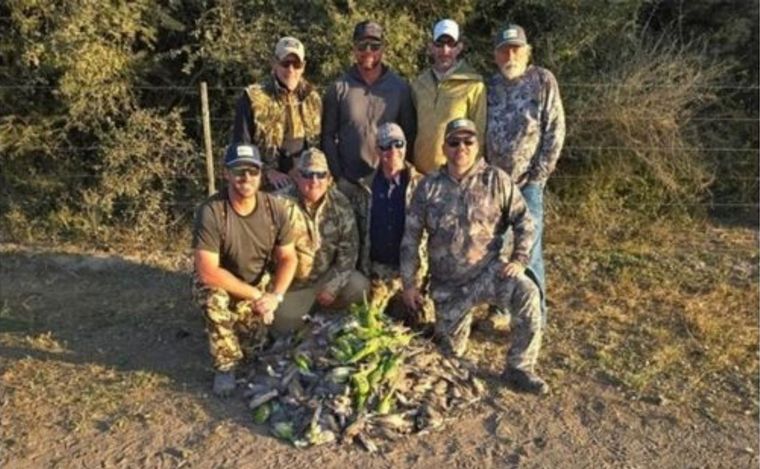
x: 511, y: 73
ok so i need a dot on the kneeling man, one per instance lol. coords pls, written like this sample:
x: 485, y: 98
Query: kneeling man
x: 327, y: 245
x: 466, y: 207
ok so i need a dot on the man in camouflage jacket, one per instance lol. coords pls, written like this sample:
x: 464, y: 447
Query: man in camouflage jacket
x: 282, y: 115
x: 326, y: 241
x: 466, y: 208
x: 526, y: 129
x: 382, y: 203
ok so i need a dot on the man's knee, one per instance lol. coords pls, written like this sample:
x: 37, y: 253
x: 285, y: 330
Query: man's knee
x: 355, y: 290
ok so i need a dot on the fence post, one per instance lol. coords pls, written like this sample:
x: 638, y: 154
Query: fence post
x: 207, y: 139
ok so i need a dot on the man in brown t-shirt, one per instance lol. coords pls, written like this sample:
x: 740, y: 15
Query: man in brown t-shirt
x: 239, y: 233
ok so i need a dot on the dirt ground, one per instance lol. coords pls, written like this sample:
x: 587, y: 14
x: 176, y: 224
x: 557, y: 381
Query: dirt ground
x: 103, y: 363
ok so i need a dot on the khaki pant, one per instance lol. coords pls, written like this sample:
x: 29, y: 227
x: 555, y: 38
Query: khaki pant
x: 298, y: 303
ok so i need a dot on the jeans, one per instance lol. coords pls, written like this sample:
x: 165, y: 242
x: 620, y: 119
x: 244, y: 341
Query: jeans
x: 533, y: 193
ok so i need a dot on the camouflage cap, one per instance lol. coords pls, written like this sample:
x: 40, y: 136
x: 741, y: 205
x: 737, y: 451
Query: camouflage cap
x: 312, y: 159
x: 460, y: 125
x: 512, y: 35
x: 289, y: 45
x: 389, y: 132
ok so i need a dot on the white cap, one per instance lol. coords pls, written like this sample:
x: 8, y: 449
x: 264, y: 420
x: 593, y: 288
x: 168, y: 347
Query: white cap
x: 447, y: 27
x: 289, y: 45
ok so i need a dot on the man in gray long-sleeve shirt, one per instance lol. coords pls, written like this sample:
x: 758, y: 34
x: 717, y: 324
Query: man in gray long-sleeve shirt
x: 367, y: 95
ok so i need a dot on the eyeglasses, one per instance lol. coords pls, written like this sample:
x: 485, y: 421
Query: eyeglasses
x: 445, y: 42
x: 455, y: 142
x: 296, y: 64
x: 249, y: 170
x: 364, y: 46
x: 392, y: 144
x: 313, y: 174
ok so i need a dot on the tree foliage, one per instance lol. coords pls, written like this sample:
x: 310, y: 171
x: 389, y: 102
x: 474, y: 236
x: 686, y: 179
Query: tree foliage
x: 100, y: 131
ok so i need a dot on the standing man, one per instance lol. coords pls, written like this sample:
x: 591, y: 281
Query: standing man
x: 386, y: 195
x: 526, y: 129
x: 238, y: 233
x: 281, y: 116
x: 367, y: 95
x: 466, y: 207
x: 449, y: 89
x: 327, y: 245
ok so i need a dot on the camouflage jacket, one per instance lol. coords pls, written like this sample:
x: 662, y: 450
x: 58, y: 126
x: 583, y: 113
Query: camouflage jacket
x: 267, y: 111
x: 466, y: 221
x: 526, y: 125
x: 326, y: 239
x: 364, y: 210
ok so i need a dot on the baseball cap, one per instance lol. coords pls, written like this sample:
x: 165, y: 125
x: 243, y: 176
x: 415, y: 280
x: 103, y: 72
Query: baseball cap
x: 242, y: 153
x: 512, y: 34
x: 312, y: 159
x: 389, y: 132
x: 446, y: 27
x: 368, y: 30
x: 289, y: 45
x: 460, y: 125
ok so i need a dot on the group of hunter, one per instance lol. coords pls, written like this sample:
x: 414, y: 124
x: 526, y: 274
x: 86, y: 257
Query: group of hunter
x: 426, y: 198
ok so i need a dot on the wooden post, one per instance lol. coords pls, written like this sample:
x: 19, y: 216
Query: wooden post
x: 207, y: 139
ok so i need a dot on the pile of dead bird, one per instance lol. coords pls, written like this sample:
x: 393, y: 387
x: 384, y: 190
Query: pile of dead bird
x: 357, y: 378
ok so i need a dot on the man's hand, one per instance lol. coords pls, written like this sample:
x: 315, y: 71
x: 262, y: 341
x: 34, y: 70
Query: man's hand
x: 412, y: 298
x: 512, y: 269
x: 277, y: 179
x: 325, y: 298
x: 265, y: 306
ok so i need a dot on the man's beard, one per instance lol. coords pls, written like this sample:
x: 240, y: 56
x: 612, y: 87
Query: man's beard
x: 512, y: 71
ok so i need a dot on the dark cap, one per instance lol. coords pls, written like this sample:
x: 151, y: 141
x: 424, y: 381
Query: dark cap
x: 242, y: 153
x: 460, y: 125
x: 368, y: 30
x: 512, y: 35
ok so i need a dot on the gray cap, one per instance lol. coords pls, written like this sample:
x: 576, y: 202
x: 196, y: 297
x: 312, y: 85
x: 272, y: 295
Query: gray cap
x: 460, y: 125
x: 389, y: 132
x: 512, y: 35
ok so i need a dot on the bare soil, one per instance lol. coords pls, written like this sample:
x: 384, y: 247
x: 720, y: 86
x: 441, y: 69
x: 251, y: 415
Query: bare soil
x: 103, y: 363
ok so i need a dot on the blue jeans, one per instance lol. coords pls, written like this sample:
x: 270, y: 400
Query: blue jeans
x: 533, y: 193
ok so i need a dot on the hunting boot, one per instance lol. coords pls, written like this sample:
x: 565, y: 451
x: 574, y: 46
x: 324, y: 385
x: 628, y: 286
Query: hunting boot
x: 525, y: 381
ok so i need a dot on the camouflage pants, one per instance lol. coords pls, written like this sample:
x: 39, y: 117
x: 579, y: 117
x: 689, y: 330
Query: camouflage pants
x: 386, y: 289
x: 518, y: 295
x: 234, y: 331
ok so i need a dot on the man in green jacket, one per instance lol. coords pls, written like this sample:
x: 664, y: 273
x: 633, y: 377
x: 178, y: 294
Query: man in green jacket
x: 448, y: 90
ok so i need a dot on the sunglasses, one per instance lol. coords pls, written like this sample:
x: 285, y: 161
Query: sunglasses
x: 374, y: 46
x: 296, y: 64
x: 392, y: 144
x: 455, y: 142
x: 241, y: 172
x: 313, y: 174
x: 446, y: 42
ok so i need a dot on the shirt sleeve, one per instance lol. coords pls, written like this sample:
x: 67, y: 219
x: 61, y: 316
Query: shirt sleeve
x: 330, y: 123
x: 347, y: 251
x: 241, y: 128
x: 552, y: 131
x: 413, y: 231
x: 478, y: 112
x: 206, y: 230
x: 408, y: 120
x: 284, y: 235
